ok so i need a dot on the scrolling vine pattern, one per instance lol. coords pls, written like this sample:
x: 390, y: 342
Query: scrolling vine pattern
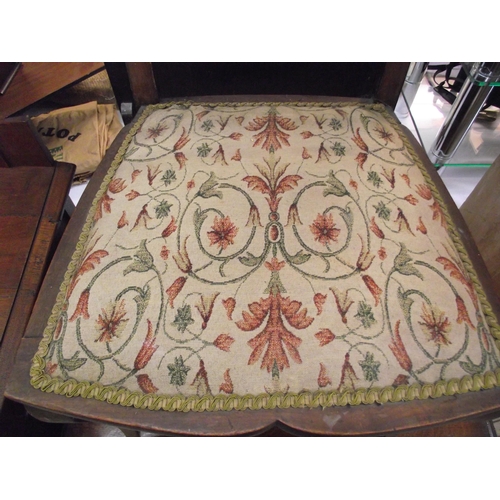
x: 268, y: 248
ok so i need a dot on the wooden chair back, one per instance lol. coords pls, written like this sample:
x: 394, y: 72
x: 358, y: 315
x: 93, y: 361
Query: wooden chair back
x: 138, y: 84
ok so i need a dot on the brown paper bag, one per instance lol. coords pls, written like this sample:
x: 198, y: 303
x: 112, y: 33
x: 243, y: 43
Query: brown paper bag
x: 79, y: 134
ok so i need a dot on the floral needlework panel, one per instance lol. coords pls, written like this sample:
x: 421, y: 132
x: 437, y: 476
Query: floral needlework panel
x: 267, y: 255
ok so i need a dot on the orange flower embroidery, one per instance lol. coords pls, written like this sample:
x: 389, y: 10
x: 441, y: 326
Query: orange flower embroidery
x: 171, y: 228
x: 348, y: 376
x: 319, y: 300
x: 182, y: 141
x: 146, y: 384
x: 343, y: 303
x: 181, y: 160
x: 375, y: 290
x: 325, y: 336
x: 82, y: 308
x: 223, y: 232
x: 271, y: 135
x: 227, y: 385
x: 275, y: 336
x: 324, y: 230
x: 398, y: 349
x: 229, y: 304
x: 223, y: 342
x: 435, y: 324
x: 424, y: 191
x: 323, y: 379
x: 111, y: 322
x: 174, y: 289
x: 205, y: 307
x: 147, y: 350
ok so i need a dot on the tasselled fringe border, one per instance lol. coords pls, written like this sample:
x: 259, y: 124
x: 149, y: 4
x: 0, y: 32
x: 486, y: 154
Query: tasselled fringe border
x: 308, y: 399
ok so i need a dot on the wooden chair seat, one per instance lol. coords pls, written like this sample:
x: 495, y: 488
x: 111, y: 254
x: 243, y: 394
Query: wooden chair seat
x: 237, y: 265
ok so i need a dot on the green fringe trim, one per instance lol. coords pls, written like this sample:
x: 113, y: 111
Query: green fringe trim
x: 318, y: 399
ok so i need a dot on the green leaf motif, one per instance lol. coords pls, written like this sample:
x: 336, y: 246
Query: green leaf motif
x: 375, y: 179
x: 249, y: 260
x: 163, y: 209
x: 365, y: 315
x: 405, y: 303
x: 299, y: 258
x: 204, y: 150
x: 207, y: 125
x: 73, y: 363
x: 370, y: 367
x: 338, y: 149
x: 169, y: 177
x: 382, y: 210
x: 334, y: 186
x: 142, y: 300
x: 198, y: 219
x: 183, y: 318
x: 143, y: 260
x: 208, y: 188
x: 335, y: 124
x: 403, y: 264
x: 178, y: 372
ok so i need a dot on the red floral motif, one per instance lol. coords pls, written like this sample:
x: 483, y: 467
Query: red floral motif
x: 323, y: 153
x: 103, y: 205
x: 111, y: 322
x: 142, y: 218
x: 353, y: 184
x: 223, y: 232
x: 117, y: 186
x: 155, y: 132
x: 275, y: 265
x: 319, y: 300
x: 305, y: 154
x: 424, y: 191
x: 227, y: 385
x: 325, y: 336
x: 389, y: 176
x: 361, y: 159
x: 375, y: 290
x: 462, y: 314
x: 382, y: 254
x: 421, y: 226
x: 323, y: 379
x: 182, y: 141
x: 132, y: 195
x: 435, y: 324
x: 461, y: 275
x: 123, y: 221
x: 223, y: 342
x: 406, y: 179
x: 236, y: 156
x: 201, y: 381
x: 438, y: 214
x: 236, y: 136
x: 402, y: 223
x: 376, y: 230
x: 343, y: 303
x: 90, y: 261
x: 411, y: 199
x: 181, y: 160
x: 348, y: 376
x: 398, y: 349
x: 275, y: 335
x: 152, y: 174
x: 359, y: 141
x: 229, y: 304
x: 190, y: 184
x: 324, y: 230
x: 135, y: 174
x: 293, y: 215
x: 271, y: 135
x: 50, y: 368
x: 205, y: 307
x: 306, y: 134
x: 401, y: 380
x: 145, y: 384
x: 182, y: 258
x: 272, y: 185
x: 164, y: 253
x: 171, y: 228
x: 147, y: 350
x: 254, y: 217
x: 219, y: 156
x: 82, y: 308
x: 365, y: 258
x: 174, y: 289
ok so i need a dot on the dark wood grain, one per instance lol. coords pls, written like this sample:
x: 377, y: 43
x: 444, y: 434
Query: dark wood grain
x: 391, y: 83
x: 36, y: 80
x: 142, y: 83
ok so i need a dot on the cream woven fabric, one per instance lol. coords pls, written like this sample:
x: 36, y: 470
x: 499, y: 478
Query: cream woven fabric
x: 263, y: 255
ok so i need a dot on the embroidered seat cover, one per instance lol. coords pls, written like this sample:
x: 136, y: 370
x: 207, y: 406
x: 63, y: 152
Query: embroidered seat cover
x: 261, y: 255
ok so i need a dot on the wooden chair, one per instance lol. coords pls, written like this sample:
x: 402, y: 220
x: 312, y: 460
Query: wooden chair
x: 137, y: 84
x: 34, y: 210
